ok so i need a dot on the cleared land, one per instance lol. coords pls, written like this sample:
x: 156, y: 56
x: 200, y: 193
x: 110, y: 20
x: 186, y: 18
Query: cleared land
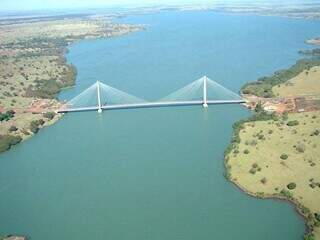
x: 306, y: 83
x: 280, y: 158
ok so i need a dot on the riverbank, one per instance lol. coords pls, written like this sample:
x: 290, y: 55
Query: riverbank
x: 274, y: 155
x: 34, y: 69
x: 12, y: 237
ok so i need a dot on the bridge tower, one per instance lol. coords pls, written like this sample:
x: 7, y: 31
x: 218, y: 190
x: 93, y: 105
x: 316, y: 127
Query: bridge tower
x: 99, y: 99
x: 205, y: 100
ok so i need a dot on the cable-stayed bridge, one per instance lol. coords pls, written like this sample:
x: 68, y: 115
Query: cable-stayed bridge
x: 100, y: 96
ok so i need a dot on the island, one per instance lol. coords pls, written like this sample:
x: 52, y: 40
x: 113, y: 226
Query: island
x: 314, y: 41
x: 275, y: 152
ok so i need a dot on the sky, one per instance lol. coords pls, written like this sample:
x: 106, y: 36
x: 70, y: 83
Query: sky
x: 54, y: 4
x: 26, y: 5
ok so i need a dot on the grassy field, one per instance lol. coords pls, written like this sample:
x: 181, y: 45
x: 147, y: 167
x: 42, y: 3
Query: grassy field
x: 305, y: 83
x: 281, y: 158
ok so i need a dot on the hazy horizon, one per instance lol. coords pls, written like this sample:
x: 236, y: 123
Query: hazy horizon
x: 29, y: 5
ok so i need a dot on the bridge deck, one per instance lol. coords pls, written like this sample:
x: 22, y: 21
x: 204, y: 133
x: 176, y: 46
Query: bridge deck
x: 149, y: 105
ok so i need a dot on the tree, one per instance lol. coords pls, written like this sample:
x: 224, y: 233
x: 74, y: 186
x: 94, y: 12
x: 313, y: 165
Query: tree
x: 13, y: 129
x: 301, y: 147
x: 292, y: 123
x: 49, y: 115
x: 291, y: 186
x: 34, y: 126
x: 309, y: 237
x: 6, y: 141
x: 7, y: 115
x: 246, y: 151
x: 263, y: 180
x: 258, y: 108
x: 41, y: 121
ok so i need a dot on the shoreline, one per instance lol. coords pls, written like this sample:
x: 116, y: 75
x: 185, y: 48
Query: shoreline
x: 41, y: 97
x: 270, y: 197
x: 292, y: 202
x: 236, y: 143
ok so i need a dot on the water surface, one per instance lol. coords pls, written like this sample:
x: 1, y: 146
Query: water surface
x: 152, y: 173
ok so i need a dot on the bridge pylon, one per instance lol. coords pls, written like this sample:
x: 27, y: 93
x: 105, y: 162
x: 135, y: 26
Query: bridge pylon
x: 205, y: 96
x: 99, y: 98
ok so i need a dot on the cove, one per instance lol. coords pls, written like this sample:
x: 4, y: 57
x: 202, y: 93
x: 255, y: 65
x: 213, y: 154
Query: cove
x: 152, y: 173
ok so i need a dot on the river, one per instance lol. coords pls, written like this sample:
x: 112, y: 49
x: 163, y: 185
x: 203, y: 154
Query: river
x: 153, y: 173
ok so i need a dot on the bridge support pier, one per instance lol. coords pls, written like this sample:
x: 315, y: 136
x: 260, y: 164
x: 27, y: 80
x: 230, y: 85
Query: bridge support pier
x: 99, y: 100
x: 205, y: 101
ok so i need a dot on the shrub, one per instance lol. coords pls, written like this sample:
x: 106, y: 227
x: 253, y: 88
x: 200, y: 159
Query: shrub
x: 301, y: 147
x: 293, y: 123
x: 7, y: 115
x: 252, y: 171
x: 263, y: 180
x: 258, y: 108
x: 227, y: 175
x: 317, y: 216
x: 286, y: 193
x: 284, y: 156
x: 44, y: 89
x: 285, y: 116
x: 34, y: 126
x: 6, y: 141
x: 25, y: 132
x: 246, y: 151
x: 13, y: 129
x: 251, y: 142
x: 305, y: 210
x: 49, y: 115
x: 310, y: 236
x: 312, y: 185
x: 41, y: 121
x: 315, y: 133
x: 260, y: 194
x: 291, y: 186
